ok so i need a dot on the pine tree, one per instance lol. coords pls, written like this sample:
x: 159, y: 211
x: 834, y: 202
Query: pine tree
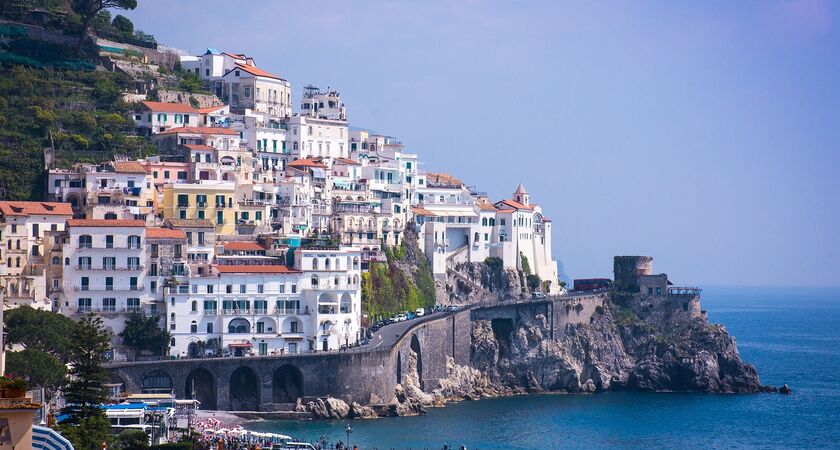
x: 86, y: 389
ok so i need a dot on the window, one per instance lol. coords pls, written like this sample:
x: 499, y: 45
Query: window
x: 260, y: 289
x: 193, y: 327
x: 283, y: 288
x: 85, y: 263
x: 83, y: 304
x: 133, y: 284
x: 209, y: 288
x: 109, y: 304
x: 294, y: 288
x: 210, y: 327
x: 200, y: 238
x: 133, y: 304
x: 220, y: 217
x: 247, y: 91
x: 242, y: 289
x: 183, y: 200
x: 658, y: 290
x: 314, y: 280
x: 109, y: 283
x: 134, y: 241
x: 85, y: 241
x: 56, y: 260
x: 133, y: 263
x: 109, y: 263
x: 228, y: 289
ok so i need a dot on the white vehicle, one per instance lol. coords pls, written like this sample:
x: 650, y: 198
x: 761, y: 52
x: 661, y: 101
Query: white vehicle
x: 420, y: 312
x: 538, y: 295
x: 400, y: 317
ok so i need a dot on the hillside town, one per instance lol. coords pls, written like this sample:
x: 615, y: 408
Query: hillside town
x: 250, y: 231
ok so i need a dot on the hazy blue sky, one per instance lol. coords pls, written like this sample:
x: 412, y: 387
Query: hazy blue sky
x: 705, y: 134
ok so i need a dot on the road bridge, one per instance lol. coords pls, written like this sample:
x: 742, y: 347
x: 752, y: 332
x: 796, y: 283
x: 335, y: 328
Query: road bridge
x: 365, y: 374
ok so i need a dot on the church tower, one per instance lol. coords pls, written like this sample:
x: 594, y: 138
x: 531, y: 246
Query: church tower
x: 521, y: 196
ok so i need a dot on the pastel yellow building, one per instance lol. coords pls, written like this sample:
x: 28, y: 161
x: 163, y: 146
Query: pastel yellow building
x: 212, y: 201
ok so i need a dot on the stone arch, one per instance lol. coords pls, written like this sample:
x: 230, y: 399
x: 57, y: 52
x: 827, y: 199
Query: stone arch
x: 201, y: 385
x: 327, y: 303
x: 244, y: 390
x: 291, y: 325
x: 286, y: 384
x: 239, y: 325
x: 267, y: 324
x: 156, y: 382
x: 415, y: 347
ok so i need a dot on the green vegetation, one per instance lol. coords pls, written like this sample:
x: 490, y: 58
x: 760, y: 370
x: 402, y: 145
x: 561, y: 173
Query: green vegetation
x: 144, y: 334
x: 392, y: 287
x: 133, y: 440
x: 79, y: 114
x: 91, y: 10
x: 38, y: 368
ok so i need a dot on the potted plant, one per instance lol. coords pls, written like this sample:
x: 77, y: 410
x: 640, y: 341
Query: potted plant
x: 13, y: 387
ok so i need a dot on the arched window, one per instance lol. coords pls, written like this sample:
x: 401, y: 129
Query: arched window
x: 314, y: 280
x: 172, y: 317
x: 9, y: 244
x: 314, y: 263
x: 355, y: 279
x: 17, y: 261
x: 8, y: 262
x: 66, y: 261
x: 56, y: 260
x: 476, y: 238
x: 172, y: 342
x: 194, y: 306
x: 327, y: 264
x: 17, y: 244
x: 193, y: 327
x: 85, y: 241
x: 355, y: 263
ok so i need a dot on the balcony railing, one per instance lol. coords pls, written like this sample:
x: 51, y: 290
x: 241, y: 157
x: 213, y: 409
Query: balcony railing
x: 108, y: 268
x: 85, y: 287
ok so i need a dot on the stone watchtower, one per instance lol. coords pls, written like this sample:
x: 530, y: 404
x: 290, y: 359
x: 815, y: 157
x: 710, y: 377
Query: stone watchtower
x: 628, y: 269
x: 521, y: 195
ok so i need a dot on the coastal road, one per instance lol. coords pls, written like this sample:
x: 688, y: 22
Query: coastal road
x: 388, y: 335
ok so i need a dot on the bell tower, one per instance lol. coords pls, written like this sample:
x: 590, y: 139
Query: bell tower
x: 521, y: 195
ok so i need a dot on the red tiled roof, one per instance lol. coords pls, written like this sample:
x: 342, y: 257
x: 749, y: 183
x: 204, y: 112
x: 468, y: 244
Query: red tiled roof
x: 129, y: 167
x: 35, y: 208
x: 418, y: 211
x: 165, y: 233
x: 255, y: 269
x: 505, y: 211
x: 255, y: 71
x: 235, y: 55
x: 199, y: 147
x: 200, y: 130
x: 242, y: 246
x: 514, y: 204
x: 105, y: 223
x: 210, y: 109
x: 348, y: 161
x: 307, y: 163
x: 170, y: 107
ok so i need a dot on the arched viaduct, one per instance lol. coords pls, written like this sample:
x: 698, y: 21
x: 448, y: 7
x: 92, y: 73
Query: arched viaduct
x: 364, y: 375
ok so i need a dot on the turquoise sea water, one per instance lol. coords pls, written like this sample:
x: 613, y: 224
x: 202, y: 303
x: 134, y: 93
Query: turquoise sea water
x: 791, y: 336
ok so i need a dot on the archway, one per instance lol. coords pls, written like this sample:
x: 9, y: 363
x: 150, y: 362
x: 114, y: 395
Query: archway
x: 415, y: 347
x: 244, y: 390
x: 201, y: 385
x: 399, y: 368
x: 287, y: 384
x: 156, y: 382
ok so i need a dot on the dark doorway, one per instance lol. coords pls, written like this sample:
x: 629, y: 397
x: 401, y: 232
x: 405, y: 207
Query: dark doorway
x: 415, y: 347
x: 244, y: 390
x: 287, y: 384
x: 201, y: 386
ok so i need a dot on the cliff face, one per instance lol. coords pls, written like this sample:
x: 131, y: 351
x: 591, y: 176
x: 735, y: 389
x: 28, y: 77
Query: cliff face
x: 620, y: 348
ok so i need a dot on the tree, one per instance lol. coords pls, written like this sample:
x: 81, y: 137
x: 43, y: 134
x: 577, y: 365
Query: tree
x: 143, y: 333
x: 123, y: 24
x: 88, y: 10
x: 40, y: 330
x: 86, y: 389
x: 133, y: 440
x: 39, y: 368
x: 89, y: 433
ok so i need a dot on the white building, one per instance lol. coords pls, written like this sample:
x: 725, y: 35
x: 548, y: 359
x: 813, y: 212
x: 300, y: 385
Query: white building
x: 105, y: 269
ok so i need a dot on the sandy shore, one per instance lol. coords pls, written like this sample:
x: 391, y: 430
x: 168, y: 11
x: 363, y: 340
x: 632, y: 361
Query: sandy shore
x: 226, y: 417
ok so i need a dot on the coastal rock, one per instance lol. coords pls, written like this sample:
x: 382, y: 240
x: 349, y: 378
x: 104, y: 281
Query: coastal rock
x: 329, y: 408
x: 358, y: 411
x: 785, y: 389
x: 649, y: 346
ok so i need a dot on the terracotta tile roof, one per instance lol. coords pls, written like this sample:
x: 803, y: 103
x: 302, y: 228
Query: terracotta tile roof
x: 242, y: 246
x: 484, y: 205
x: 254, y: 71
x: 190, y: 223
x: 505, y: 211
x: 235, y: 55
x: 129, y: 167
x: 105, y: 223
x: 201, y: 130
x: 418, y: 211
x: 307, y: 163
x: 165, y: 233
x: 514, y: 204
x: 35, y: 208
x: 211, y: 109
x: 170, y: 107
x: 348, y: 161
x: 255, y: 269
x: 442, y: 180
x: 199, y: 147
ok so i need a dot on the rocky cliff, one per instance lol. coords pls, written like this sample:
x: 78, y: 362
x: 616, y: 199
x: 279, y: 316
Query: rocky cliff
x: 624, y: 346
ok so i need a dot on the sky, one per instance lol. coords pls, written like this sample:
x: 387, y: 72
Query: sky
x: 704, y: 134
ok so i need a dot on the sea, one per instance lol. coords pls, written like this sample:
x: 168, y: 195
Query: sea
x: 791, y: 335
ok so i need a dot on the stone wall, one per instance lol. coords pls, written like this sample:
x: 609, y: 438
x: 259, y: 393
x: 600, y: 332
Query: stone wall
x: 204, y: 100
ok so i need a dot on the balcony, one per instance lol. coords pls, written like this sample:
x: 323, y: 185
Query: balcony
x: 86, y: 288
x: 236, y: 312
x: 132, y: 268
